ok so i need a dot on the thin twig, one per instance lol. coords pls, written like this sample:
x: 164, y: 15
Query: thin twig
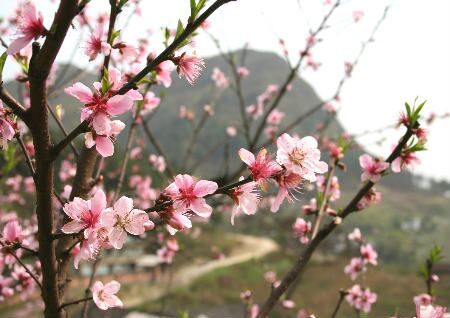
x: 298, y: 268
x: 76, y: 302
x: 61, y: 127
x: 342, y: 294
x: 170, y: 172
x: 24, y: 266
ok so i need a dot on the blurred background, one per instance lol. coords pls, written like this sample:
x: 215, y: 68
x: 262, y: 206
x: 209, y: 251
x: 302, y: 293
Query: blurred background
x: 407, y: 57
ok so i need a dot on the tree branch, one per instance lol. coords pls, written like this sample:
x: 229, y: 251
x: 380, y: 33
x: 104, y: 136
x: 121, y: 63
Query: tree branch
x: 76, y: 302
x: 15, y: 106
x: 299, y: 267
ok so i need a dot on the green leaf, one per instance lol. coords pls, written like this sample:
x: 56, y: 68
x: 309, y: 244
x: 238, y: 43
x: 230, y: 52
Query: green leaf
x: 10, y: 159
x: 200, y: 5
x: 114, y: 35
x: 2, y: 63
x: 180, y: 29
x: 193, y: 9
x: 408, y: 109
x: 105, y: 81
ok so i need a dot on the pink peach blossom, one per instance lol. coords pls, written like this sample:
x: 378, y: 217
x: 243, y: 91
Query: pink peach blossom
x: 176, y: 221
x: 219, y: 78
x: 30, y: 26
x: 5, y: 289
x: 243, y: 71
x: 430, y: 311
x: 245, y: 199
x: 372, y: 169
x: 188, y: 194
x: 300, y: 156
x: 287, y: 183
x: 12, y: 232
x: 104, y: 143
x: 423, y: 300
x: 355, y: 235
x: 357, y: 15
x: 105, y: 295
x: 311, y: 208
x: 371, y: 197
x: 334, y: 190
x: 85, y: 215
x: 123, y: 219
x: 97, y: 43
x: 369, y: 254
x: 275, y: 117
x: 7, y: 130
x: 189, y: 67
x: 151, y: 102
x: 355, y: 267
x: 261, y: 167
x: 302, y: 229
x: 367, y: 299
x: 406, y: 159
x: 163, y: 71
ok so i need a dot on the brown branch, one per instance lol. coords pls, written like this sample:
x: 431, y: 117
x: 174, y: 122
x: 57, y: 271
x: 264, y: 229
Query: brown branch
x: 207, y: 154
x: 170, y: 172
x: 61, y: 127
x: 87, y: 291
x: 291, y: 76
x: 56, y: 150
x: 15, y: 106
x: 75, y: 302
x: 297, y: 270
x: 342, y: 294
x: 193, y: 140
x: 126, y: 157
x: 24, y: 266
x: 163, y: 56
x: 324, y: 203
x: 190, y: 28
x: 27, y: 156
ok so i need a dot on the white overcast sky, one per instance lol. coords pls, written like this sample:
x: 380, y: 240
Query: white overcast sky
x: 410, y: 56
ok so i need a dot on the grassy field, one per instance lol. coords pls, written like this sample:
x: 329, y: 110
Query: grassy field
x: 317, y: 292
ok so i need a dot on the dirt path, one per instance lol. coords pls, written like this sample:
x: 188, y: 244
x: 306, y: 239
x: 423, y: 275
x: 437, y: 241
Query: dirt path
x: 251, y: 247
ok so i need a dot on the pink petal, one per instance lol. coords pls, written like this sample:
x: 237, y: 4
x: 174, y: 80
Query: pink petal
x: 106, y: 48
x: 201, y: 208
x: 309, y: 142
x: 246, y: 156
x: 116, y: 127
x: 281, y: 195
x: 123, y: 206
x: 18, y: 44
x: 204, y: 187
x: 118, y: 105
x: 285, y: 142
x: 104, y: 146
x: 365, y: 161
x: 108, y: 218
x: 184, y: 181
x: 138, y: 219
x: 98, y: 202
x: 75, y: 208
x: 80, y: 92
x: 73, y: 227
x: 101, y: 124
x: 89, y: 141
x: 113, y: 301
x: 117, y: 237
x: 397, y: 165
x: 112, y: 287
x: 134, y: 94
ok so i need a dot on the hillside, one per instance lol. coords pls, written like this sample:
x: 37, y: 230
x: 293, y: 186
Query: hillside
x: 407, y: 211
